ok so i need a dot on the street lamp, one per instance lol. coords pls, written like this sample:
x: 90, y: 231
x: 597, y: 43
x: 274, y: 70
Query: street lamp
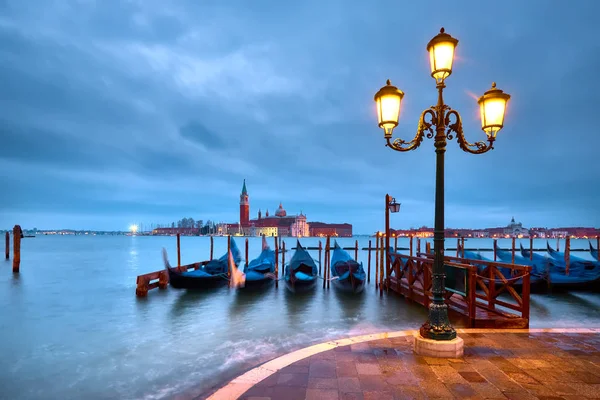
x: 447, y: 124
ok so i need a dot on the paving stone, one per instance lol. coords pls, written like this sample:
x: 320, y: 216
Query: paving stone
x: 322, y: 394
x: 323, y: 383
x: 348, y: 384
x: 378, y: 395
x: 584, y: 389
x: 472, y: 376
x: 322, y: 369
x: 293, y: 380
x: 487, y: 390
x: 352, y: 396
x: 346, y: 368
x: 447, y: 374
x: 368, y: 369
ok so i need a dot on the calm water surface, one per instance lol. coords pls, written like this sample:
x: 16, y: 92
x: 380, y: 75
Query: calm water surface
x: 71, y: 326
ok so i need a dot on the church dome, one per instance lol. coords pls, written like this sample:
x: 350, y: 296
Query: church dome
x: 280, y: 211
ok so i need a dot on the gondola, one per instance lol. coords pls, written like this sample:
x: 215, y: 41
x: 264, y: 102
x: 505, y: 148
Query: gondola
x: 301, y: 272
x: 594, y: 252
x: 347, y: 274
x: 575, y: 263
x: 260, y: 271
x: 551, y: 270
x: 213, y: 274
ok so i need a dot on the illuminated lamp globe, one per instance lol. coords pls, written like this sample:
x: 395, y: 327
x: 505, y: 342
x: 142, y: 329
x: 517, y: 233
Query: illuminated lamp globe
x: 441, y: 55
x: 388, y: 100
x: 492, y: 107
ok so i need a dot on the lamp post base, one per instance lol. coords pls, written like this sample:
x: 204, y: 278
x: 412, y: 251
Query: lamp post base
x: 439, y: 348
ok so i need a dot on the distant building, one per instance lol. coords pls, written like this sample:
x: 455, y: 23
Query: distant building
x: 323, y: 229
x: 280, y: 224
x: 175, y: 231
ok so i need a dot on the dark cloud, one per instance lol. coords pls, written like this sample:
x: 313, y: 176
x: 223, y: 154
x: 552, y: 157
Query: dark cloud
x: 197, y: 132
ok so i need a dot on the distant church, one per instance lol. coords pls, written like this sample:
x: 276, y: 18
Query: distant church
x: 278, y: 225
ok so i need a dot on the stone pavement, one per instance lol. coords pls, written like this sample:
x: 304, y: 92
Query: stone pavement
x: 496, y: 365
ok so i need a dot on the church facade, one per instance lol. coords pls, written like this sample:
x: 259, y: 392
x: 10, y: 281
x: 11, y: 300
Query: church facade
x: 279, y: 224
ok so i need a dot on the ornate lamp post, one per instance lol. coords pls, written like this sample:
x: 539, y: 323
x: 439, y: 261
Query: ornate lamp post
x: 447, y: 123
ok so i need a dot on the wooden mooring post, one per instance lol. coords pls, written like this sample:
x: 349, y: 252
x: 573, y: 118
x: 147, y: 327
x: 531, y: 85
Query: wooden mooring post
x: 418, y: 246
x: 427, y: 247
x: 557, y: 244
x: 369, y: 264
x: 356, y: 251
x: 246, y: 252
x: 17, y: 247
x: 513, y: 250
x: 7, y: 245
x: 276, y: 264
x: 567, y: 253
x: 462, y: 247
x: 495, y: 245
x: 282, y: 257
x: 531, y: 248
x: 395, y: 244
x: 382, y: 255
x: 457, y: 247
x: 179, y: 249
x: 320, y: 253
x: 211, y: 247
x: 377, y: 261
x: 410, y: 245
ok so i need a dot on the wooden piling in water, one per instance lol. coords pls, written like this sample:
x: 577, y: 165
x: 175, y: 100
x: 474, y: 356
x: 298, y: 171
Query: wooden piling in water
x: 427, y: 247
x: 410, y: 246
x: 320, y: 252
x: 557, y: 244
x: 381, y: 267
x: 462, y: 247
x: 211, y: 248
x: 325, y: 269
x: 598, y: 247
x: 513, y: 250
x: 277, y: 264
x: 179, y: 249
x: 369, y: 264
x: 495, y: 245
x: 457, y: 247
x: 228, y: 250
x: 395, y: 244
x: 531, y: 248
x: 356, y: 251
x: 418, y: 246
x: 567, y: 253
x: 282, y: 257
x: 246, y: 252
x: 377, y: 261
x: 17, y: 248
x: 7, y: 245
x: 328, y: 265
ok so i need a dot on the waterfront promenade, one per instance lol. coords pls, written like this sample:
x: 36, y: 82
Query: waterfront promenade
x: 497, y: 364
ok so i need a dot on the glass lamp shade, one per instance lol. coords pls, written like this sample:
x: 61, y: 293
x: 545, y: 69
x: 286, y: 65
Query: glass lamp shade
x: 492, y: 107
x: 394, y: 206
x: 388, y: 100
x: 441, y: 55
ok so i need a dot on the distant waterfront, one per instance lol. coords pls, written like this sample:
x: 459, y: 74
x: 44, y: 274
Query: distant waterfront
x: 72, y: 327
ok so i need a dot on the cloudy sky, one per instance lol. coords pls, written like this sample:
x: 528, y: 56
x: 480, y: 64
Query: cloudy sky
x: 116, y: 111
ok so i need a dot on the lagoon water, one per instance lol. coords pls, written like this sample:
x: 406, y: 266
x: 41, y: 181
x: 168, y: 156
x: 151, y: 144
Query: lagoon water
x: 71, y: 326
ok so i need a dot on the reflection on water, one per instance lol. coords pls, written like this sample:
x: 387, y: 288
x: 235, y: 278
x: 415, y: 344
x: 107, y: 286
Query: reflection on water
x: 72, y: 315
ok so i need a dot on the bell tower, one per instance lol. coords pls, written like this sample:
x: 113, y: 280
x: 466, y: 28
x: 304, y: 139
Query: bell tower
x: 244, y: 207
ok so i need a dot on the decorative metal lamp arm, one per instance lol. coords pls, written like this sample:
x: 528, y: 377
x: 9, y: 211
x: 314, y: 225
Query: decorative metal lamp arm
x: 424, y: 126
x: 456, y: 128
